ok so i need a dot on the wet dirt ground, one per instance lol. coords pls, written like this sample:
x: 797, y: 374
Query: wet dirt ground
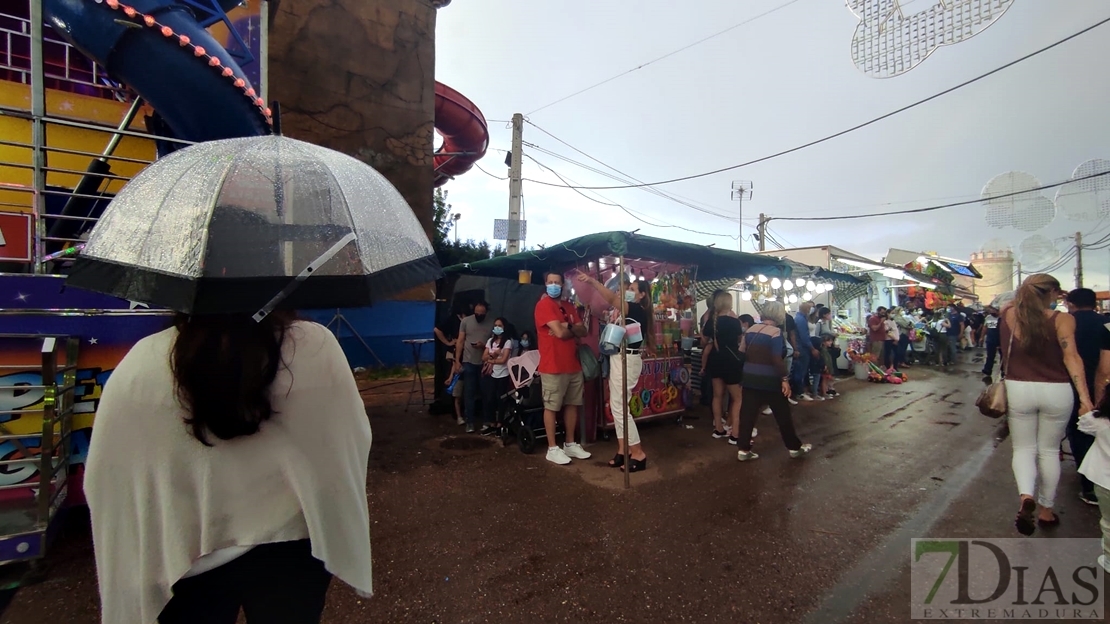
x: 467, y: 531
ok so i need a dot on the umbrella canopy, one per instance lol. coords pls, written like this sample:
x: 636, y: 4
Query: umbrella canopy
x: 239, y: 225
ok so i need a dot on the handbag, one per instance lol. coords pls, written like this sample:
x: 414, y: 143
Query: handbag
x: 992, y: 401
x: 591, y: 368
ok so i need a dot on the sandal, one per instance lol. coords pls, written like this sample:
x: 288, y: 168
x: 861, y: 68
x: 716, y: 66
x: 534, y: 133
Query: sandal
x: 636, y: 465
x: 1047, y: 524
x: 1024, y: 521
x: 617, y: 461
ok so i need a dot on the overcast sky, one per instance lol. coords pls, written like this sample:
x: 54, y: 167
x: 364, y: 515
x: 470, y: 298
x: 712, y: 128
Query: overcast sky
x: 783, y: 80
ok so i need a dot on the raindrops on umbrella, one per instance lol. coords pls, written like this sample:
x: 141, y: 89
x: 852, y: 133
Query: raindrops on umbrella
x: 1038, y: 251
x: 1086, y: 200
x: 1026, y: 211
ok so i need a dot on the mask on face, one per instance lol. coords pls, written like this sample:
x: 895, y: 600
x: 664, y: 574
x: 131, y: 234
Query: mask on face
x: 479, y: 317
x: 1052, y: 306
x: 630, y: 296
x: 525, y: 343
x: 497, y: 331
x: 554, y: 290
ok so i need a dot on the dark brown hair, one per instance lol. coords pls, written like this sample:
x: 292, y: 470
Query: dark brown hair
x: 223, y: 367
x: 648, y: 329
x: 1034, y: 329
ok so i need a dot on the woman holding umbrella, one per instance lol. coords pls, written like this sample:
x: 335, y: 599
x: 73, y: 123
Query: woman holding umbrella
x: 633, y: 306
x: 228, y: 467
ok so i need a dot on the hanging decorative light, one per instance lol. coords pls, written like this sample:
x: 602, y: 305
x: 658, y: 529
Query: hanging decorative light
x: 746, y: 295
x: 811, y: 286
x: 762, y: 279
x: 776, y: 283
x: 788, y: 285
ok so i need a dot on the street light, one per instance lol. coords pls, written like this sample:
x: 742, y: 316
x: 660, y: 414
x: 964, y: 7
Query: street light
x: 455, y: 219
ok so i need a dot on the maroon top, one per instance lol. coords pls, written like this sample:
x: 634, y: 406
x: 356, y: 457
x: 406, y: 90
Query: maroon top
x: 1045, y: 364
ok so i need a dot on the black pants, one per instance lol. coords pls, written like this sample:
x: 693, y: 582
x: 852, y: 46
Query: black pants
x: 493, y: 388
x: 750, y: 406
x: 994, y: 347
x: 273, y: 583
x: 1080, y: 444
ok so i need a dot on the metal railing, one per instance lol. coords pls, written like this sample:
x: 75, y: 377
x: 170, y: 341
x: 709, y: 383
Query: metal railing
x: 67, y: 69
x: 28, y: 518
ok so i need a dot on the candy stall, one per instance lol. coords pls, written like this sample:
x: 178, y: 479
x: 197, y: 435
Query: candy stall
x: 512, y: 286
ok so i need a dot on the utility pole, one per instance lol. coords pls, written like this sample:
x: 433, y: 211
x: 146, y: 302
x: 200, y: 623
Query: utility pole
x: 1079, y: 259
x: 1018, y: 276
x: 741, y: 190
x: 516, y: 157
x: 762, y: 230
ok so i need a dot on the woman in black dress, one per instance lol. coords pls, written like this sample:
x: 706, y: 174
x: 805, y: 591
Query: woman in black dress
x: 722, y: 332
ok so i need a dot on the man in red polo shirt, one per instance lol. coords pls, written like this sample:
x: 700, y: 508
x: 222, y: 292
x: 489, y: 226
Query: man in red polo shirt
x: 557, y: 328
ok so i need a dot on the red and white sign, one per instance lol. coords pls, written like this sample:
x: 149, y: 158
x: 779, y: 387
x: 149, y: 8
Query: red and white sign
x: 16, y: 237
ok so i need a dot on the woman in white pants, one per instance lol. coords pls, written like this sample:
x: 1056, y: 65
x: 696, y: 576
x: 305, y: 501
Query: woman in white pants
x: 1042, y: 365
x: 634, y: 305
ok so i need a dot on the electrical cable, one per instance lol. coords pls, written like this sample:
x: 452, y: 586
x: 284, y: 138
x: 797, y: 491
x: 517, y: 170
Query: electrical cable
x: 496, y: 177
x: 940, y: 207
x: 648, y: 189
x: 630, y: 213
x: 861, y: 125
x: 629, y: 177
x: 665, y: 56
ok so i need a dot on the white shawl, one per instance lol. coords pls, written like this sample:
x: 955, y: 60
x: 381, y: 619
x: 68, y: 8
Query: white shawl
x: 160, y: 500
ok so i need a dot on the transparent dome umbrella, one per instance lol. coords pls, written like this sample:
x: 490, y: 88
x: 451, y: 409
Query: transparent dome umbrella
x: 250, y: 225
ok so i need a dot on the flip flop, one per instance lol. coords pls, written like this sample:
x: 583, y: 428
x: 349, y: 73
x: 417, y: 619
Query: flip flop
x: 1024, y: 521
x: 1048, y: 524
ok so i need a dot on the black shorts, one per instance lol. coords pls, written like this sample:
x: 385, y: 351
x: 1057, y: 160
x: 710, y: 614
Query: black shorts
x: 731, y: 372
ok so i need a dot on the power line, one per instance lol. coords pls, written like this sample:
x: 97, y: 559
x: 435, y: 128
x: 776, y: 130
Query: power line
x: 940, y: 207
x: 665, y: 56
x: 648, y: 189
x: 671, y: 196
x: 630, y: 213
x: 857, y: 126
x: 494, y: 176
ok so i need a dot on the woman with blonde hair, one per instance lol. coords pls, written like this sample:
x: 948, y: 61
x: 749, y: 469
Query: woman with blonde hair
x: 1042, y: 365
x: 726, y: 366
x: 766, y: 381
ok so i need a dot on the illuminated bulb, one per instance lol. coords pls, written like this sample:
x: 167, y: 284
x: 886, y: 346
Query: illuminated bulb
x: 776, y: 283
x: 772, y: 298
x: 746, y: 296
x: 793, y: 298
x: 788, y: 285
x: 811, y: 286
x: 751, y: 278
x: 762, y: 279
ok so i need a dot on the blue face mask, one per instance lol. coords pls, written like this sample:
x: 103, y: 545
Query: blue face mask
x: 630, y: 296
x: 497, y: 331
x: 554, y: 290
x: 525, y: 343
x: 1052, y: 306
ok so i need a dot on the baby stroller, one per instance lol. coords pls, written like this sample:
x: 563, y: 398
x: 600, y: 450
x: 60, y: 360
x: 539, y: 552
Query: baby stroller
x: 521, y: 413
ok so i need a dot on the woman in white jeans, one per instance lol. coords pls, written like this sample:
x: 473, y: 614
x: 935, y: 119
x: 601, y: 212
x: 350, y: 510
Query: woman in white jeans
x: 1041, y: 364
x: 634, y: 305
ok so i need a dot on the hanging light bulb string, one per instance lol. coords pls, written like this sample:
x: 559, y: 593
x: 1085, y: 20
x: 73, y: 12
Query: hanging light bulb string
x: 183, y: 40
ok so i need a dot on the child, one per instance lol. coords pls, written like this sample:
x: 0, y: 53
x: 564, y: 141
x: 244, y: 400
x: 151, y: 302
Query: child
x: 828, y: 343
x: 1096, y: 467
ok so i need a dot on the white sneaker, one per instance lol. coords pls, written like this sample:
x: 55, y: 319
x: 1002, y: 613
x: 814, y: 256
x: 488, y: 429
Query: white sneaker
x: 805, y: 397
x: 459, y: 420
x: 746, y: 455
x: 755, y: 432
x: 556, y: 455
x: 575, y: 451
x: 767, y: 411
x: 806, y: 448
x: 792, y: 401
x: 818, y: 397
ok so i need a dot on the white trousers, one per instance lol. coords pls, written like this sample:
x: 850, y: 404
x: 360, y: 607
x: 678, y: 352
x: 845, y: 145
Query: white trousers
x: 618, y: 380
x: 1038, y: 416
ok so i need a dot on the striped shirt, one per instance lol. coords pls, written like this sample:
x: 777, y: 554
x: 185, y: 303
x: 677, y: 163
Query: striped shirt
x: 764, y: 368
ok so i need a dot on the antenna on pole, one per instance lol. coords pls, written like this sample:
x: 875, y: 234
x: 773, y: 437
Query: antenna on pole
x: 741, y: 191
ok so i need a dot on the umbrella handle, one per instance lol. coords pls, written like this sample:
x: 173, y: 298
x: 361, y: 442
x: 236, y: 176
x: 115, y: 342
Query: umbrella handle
x: 302, y: 276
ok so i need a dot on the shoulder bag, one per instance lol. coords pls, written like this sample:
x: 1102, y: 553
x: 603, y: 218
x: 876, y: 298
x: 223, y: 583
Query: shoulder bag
x: 992, y: 401
x: 591, y: 367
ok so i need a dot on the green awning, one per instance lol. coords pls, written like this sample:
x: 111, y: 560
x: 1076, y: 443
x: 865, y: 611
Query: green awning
x: 711, y: 263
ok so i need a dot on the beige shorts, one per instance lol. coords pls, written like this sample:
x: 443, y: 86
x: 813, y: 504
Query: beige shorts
x: 561, y: 389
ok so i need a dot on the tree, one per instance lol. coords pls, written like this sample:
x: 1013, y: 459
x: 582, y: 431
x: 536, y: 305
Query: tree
x: 449, y: 252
